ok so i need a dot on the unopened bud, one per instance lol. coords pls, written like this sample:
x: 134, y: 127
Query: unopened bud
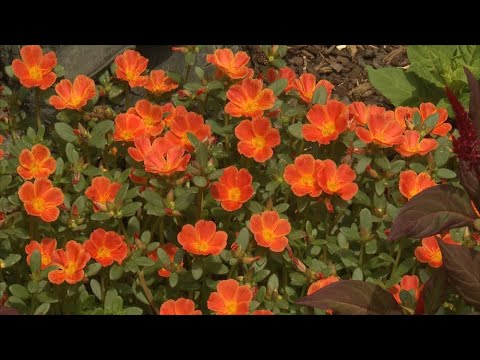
x: 300, y: 265
x: 250, y: 260
x: 184, y: 94
x: 180, y: 49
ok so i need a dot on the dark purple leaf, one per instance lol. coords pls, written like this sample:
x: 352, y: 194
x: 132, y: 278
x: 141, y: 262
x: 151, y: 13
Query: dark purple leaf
x: 4, y: 310
x: 353, y: 297
x: 435, y: 291
x: 463, y: 269
x: 469, y: 178
x: 474, y: 109
x: 432, y: 211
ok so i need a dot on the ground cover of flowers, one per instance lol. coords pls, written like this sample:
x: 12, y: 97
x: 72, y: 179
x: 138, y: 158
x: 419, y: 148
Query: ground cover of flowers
x: 234, y: 193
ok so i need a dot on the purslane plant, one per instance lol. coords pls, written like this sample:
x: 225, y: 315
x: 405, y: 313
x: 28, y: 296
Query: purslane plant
x: 236, y: 193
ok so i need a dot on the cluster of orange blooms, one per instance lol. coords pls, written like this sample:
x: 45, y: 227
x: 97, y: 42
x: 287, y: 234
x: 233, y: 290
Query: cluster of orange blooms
x: 157, y: 137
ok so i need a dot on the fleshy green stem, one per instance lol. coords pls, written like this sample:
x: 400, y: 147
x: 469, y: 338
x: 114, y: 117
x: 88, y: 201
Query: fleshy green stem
x: 147, y: 292
x: 397, y: 260
x: 37, y: 107
x: 362, y: 251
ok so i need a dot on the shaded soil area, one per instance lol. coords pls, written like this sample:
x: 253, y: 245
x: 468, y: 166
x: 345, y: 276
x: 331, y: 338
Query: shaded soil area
x: 344, y: 67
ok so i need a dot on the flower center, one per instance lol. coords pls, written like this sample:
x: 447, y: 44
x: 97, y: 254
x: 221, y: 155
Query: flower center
x: 332, y: 185
x: 126, y: 135
x: 231, y: 307
x: 201, y: 245
x: 307, y: 180
x: 234, y: 194
x: 70, y: 269
x: 148, y: 121
x: 436, y: 256
x: 250, y: 106
x: 103, y: 253
x: 46, y: 259
x: 258, y: 142
x: 328, y: 129
x: 75, y: 101
x: 38, y: 204
x: 35, y: 73
x: 130, y: 74
x: 268, y: 235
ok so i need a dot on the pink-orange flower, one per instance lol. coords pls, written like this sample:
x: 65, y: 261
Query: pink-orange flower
x: 159, y: 83
x: 188, y: 123
x: 151, y: 114
x: 408, y: 282
x: 359, y: 113
x: 106, y: 247
x: 170, y: 112
x: 413, y: 146
x: 171, y: 250
x: 41, y: 199
x: 230, y: 298
x: 337, y: 181
x: 180, y: 306
x: 46, y: 248
x: 306, y: 85
x: 203, y: 239
x: 442, y: 128
x: 128, y: 127
x: 317, y: 285
x: 326, y: 122
x: 73, y: 96
x: 249, y: 99
x: 71, y: 263
x: 35, y: 69
x: 404, y: 114
x: 257, y: 138
x: 430, y: 252
x: 383, y: 129
x: 130, y: 66
x: 233, y: 189
x: 230, y: 64
x: 270, y: 231
x: 36, y: 163
x: 142, y: 147
x: 411, y: 184
x: 302, y: 175
x: 102, y: 192
x: 165, y: 158
x: 282, y: 73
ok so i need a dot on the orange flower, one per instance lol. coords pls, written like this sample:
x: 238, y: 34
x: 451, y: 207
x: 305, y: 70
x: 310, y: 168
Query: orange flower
x: 35, y: 69
x: 73, y: 96
x: 383, y: 129
x: 257, y: 138
x: 151, y: 114
x: 180, y: 306
x: 230, y: 298
x: 430, y: 252
x: 249, y: 99
x: 262, y: 312
x: 326, y: 122
x: 36, y: 163
x: 41, y: 199
x: 101, y: 192
x: 170, y: 112
x: 106, y: 247
x: 46, y: 248
x: 404, y: 114
x: 306, y: 85
x: 317, y: 285
x: 282, y: 73
x: 203, y: 239
x: 359, y: 113
x: 233, y: 188
x: 411, y: 184
x: 232, y: 65
x: 442, y: 128
x: 270, y: 231
x: 159, y: 83
x: 408, y: 282
x: 128, y: 127
x: 165, y: 158
x: 190, y: 122
x: 130, y: 66
x: 413, y: 146
x: 70, y: 262
x: 142, y: 147
x: 171, y: 250
x: 337, y: 181
x: 302, y: 175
